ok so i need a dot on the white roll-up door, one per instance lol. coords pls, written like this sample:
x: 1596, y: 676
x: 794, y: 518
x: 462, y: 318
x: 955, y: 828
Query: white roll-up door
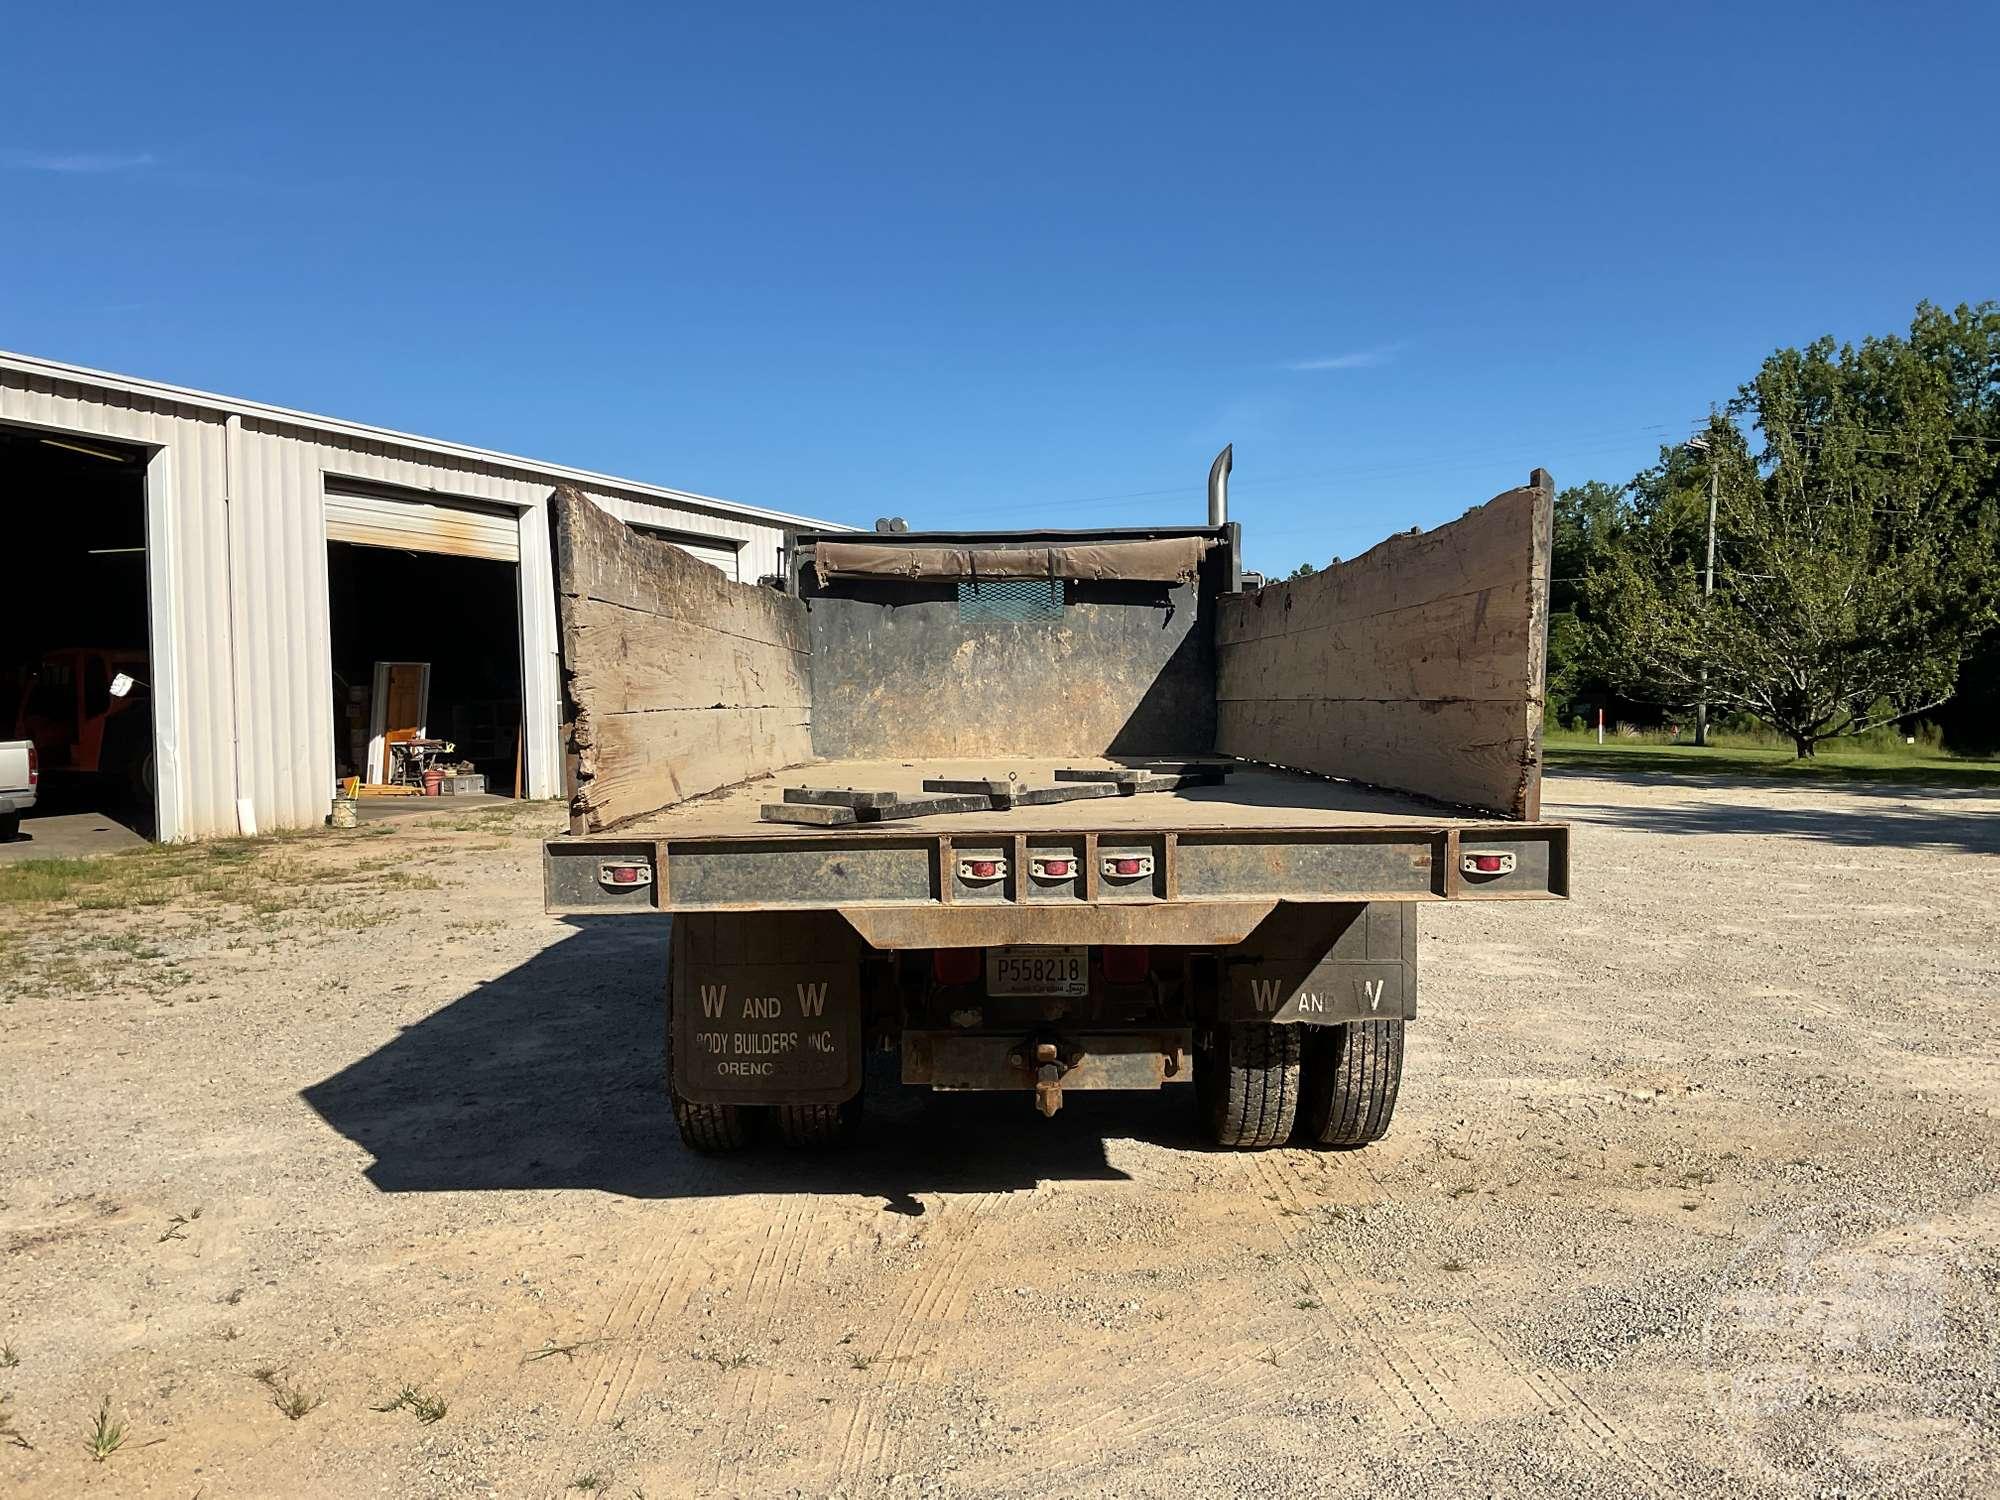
x: 716, y: 554
x: 453, y: 528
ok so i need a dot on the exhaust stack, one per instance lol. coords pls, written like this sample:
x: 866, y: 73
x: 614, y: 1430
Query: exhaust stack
x: 1218, y: 486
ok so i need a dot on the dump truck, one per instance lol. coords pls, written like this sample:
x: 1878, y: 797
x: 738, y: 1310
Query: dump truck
x: 1047, y: 811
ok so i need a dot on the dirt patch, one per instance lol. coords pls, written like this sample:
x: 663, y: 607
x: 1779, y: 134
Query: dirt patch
x: 340, y: 1169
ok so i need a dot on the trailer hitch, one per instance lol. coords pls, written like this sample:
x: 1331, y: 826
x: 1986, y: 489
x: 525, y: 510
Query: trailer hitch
x: 1045, y: 1060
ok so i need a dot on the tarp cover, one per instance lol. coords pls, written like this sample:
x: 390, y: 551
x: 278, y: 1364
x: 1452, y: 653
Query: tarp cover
x: 1164, y: 560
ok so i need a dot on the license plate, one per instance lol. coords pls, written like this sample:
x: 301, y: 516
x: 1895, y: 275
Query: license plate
x: 1038, y: 971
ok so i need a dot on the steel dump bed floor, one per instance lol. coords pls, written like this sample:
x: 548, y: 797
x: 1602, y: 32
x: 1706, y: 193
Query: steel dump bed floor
x: 1251, y: 796
x: 1059, y: 872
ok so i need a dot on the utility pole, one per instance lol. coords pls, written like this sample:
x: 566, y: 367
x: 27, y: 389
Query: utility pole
x: 1700, y: 444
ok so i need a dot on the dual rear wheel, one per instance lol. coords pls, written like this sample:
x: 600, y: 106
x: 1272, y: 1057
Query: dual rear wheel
x: 729, y: 1127
x: 1258, y: 1084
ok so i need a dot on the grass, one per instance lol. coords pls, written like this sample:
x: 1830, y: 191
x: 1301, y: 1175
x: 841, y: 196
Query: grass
x: 425, y: 1408
x: 1654, y: 754
x: 255, y: 892
x: 224, y: 869
x: 8, y: 1357
x: 591, y: 1482
x: 14, y: 1436
x: 106, y: 1437
x: 735, y: 1360
x: 294, y: 1401
x: 177, y: 1226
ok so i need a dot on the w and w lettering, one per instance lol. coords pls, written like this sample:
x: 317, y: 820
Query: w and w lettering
x: 812, y: 1002
x: 1269, y: 995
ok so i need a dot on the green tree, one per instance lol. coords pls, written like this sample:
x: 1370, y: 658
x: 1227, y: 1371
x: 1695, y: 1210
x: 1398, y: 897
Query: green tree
x: 1858, y: 547
x: 1589, y: 522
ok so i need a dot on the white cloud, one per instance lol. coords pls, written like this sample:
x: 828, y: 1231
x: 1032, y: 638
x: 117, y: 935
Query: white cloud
x: 76, y: 161
x: 1359, y: 359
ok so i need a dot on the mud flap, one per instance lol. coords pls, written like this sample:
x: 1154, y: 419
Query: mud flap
x: 765, y: 1008
x: 1322, y: 965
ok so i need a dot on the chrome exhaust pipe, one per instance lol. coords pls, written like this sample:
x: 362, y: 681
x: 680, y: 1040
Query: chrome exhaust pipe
x: 1218, y: 486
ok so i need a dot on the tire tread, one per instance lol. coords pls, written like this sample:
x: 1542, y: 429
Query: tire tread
x: 1353, y: 1073
x: 1255, y: 1103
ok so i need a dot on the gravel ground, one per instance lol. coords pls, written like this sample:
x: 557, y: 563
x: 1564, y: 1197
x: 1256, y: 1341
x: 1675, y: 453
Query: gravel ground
x: 1692, y: 1190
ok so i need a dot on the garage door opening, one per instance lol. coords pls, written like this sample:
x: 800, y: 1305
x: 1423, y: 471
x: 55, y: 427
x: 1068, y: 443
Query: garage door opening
x: 426, y: 670
x: 73, y: 618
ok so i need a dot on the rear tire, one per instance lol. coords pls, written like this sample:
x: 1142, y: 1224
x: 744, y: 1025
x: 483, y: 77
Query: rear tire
x: 1352, y: 1074
x: 813, y: 1126
x: 1246, y: 1081
x: 711, y: 1127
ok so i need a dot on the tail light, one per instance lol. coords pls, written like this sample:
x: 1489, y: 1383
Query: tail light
x: 955, y: 965
x: 1052, y: 867
x: 1487, y: 862
x: 1127, y: 965
x: 1127, y: 866
x: 993, y: 868
x: 34, y: 767
x: 624, y: 872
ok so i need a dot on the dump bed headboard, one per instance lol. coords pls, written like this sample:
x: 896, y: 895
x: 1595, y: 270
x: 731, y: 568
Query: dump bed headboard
x: 1046, y: 648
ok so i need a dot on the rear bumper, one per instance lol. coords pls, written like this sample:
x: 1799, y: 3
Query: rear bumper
x: 955, y: 1060
x: 16, y: 801
x: 915, y: 891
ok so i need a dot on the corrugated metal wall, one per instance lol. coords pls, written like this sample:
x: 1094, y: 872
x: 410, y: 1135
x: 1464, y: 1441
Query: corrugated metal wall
x: 239, y: 498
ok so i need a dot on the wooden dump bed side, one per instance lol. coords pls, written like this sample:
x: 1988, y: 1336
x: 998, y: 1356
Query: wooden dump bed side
x: 1417, y: 665
x: 677, y: 680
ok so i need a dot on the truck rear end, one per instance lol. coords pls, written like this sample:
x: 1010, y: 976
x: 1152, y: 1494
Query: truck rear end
x: 1047, y: 811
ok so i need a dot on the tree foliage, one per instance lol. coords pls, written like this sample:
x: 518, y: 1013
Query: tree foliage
x: 1857, y: 539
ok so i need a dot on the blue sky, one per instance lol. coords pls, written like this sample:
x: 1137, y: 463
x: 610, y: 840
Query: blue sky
x: 1004, y: 265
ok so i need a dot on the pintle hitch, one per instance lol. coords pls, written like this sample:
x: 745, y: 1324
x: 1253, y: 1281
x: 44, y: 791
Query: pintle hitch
x: 1045, y: 1060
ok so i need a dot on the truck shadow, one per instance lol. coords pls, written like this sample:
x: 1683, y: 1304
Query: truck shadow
x: 550, y: 1077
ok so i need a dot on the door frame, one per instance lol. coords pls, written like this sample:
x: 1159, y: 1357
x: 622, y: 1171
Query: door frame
x: 376, y: 772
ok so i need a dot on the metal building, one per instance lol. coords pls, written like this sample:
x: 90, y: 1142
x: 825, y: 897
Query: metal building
x: 241, y: 502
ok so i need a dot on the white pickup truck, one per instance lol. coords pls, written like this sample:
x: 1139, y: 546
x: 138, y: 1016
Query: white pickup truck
x: 20, y: 775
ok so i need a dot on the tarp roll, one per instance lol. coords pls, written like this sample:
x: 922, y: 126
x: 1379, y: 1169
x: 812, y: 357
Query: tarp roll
x: 1163, y: 560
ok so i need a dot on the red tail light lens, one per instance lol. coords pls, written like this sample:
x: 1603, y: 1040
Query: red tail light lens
x: 34, y: 768
x: 1125, y: 866
x: 955, y: 965
x: 1056, y: 867
x: 1127, y: 965
x: 983, y: 869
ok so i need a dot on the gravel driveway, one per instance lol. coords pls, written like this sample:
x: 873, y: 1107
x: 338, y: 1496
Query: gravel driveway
x: 1692, y: 1190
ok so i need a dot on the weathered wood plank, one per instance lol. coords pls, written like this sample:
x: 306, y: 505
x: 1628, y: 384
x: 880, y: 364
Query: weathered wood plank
x: 623, y: 661
x: 1417, y: 666
x: 631, y: 763
x: 600, y: 557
